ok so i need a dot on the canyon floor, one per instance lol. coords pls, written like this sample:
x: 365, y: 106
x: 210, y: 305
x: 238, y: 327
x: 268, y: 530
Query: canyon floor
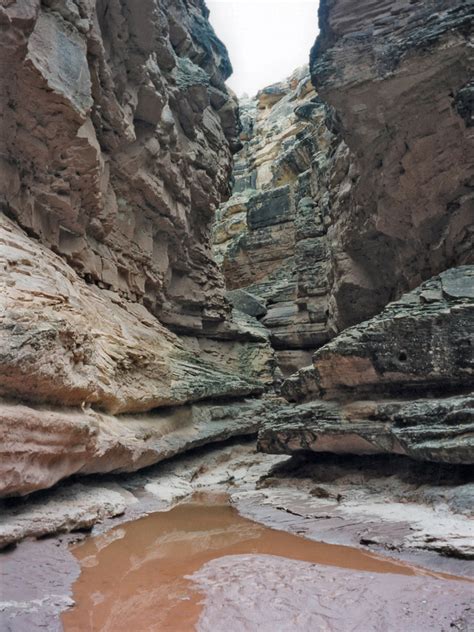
x: 225, y: 524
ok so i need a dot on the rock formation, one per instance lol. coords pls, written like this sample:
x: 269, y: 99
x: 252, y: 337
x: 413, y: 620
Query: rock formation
x: 398, y: 76
x: 271, y: 236
x: 399, y: 383
x: 343, y: 201
x: 349, y: 234
x: 116, y: 134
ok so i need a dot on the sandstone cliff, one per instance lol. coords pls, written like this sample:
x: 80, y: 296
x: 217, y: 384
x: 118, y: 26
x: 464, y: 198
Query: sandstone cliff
x: 116, y: 135
x: 397, y: 80
x: 349, y: 232
x: 398, y: 75
x: 271, y: 236
x: 346, y: 195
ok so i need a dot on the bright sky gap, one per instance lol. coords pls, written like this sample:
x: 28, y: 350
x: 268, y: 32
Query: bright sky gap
x: 266, y: 40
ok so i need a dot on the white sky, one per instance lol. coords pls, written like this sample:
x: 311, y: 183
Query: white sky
x: 266, y: 39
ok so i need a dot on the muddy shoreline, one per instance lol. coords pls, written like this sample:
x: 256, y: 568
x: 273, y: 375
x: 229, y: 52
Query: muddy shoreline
x: 37, y: 575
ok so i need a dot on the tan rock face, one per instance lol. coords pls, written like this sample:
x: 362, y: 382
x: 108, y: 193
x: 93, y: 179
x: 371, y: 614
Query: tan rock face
x: 116, y: 136
x: 42, y: 445
x: 271, y: 236
x: 68, y: 343
x: 115, y: 155
x: 398, y: 76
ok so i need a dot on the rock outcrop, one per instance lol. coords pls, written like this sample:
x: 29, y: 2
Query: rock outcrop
x: 353, y: 187
x: 399, y: 77
x: 399, y: 210
x: 399, y: 383
x: 271, y: 236
x: 116, y: 133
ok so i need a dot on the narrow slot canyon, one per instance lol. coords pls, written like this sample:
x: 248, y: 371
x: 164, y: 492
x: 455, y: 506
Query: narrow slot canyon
x: 236, y: 332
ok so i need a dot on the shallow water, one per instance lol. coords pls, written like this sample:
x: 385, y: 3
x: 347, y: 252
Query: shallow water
x: 135, y: 578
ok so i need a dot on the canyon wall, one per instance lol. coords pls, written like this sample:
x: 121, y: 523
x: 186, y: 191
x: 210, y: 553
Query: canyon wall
x: 398, y: 76
x: 347, y: 243
x: 350, y: 234
x: 271, y: 236
x: 116, y: 134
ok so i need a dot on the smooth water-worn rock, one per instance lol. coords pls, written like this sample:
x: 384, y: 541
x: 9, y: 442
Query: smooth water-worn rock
x: 42, y: 445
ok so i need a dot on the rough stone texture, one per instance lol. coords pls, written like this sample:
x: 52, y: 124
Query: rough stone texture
x: 115, y: 128
x: 399, y: 76
x: 78, y: 507
x: 69, y: 343
x: 270, y: 237
x: 116, y: 131
x: 389, y: 503
x: 439, y: 430
x: 385, y: 382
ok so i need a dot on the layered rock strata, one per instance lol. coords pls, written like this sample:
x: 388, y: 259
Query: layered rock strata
x: 395, y: 183
x: 399, y: 383
x: 399, y: 78
x: 116, y: 134
x: 271, y: 236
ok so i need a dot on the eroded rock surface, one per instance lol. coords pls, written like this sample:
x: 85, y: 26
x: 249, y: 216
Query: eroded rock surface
x: 116, y: 132
x: 116, y: 125
x: 398, y: 75
x: 382, y: 386
x: 271, y: 236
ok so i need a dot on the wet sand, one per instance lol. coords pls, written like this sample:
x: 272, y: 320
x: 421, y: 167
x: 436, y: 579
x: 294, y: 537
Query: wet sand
x: 136, y: 577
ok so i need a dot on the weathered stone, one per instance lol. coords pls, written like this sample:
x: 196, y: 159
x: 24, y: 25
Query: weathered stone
x: 412, y: 346
x: 270, y: 238
x: 386, y: 381
x: 247, y: 303
x: 68, y: 343
x: 439, y: 430
x: 116, y: 131
x: 398, y: 76
x: 42, y: 445
x: 122, y: 158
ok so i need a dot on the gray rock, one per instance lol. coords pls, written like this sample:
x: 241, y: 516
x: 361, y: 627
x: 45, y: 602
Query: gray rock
x: 439, y: 430
x: 247, y: 303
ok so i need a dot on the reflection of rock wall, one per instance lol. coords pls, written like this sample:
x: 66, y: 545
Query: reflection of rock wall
x: 270, y: 237
x: 116, y: 132
x: 398, y: 76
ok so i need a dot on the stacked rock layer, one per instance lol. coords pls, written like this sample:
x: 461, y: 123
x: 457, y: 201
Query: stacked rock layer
x: 352, y: 199
x: 116, y: 132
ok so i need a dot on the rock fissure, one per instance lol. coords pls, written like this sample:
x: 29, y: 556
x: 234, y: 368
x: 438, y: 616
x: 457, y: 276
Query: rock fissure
x: 178, y: 268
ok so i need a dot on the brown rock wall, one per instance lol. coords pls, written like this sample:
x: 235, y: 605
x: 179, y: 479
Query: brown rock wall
x: 397, y: 74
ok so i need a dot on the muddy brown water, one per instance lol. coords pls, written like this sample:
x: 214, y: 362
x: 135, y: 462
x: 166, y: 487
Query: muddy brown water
x: 134, y: 578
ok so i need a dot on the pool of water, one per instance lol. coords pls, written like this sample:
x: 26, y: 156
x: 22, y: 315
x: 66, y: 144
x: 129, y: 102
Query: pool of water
x: 135, y: 577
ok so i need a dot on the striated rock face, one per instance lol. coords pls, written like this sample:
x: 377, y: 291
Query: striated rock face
x: 116, y: 133
x: 399, y: 77
x: 116, y: 126
x: 271, y: 236
x: 399, y: 382
x: 42, y: 445
x: 379, y: 200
